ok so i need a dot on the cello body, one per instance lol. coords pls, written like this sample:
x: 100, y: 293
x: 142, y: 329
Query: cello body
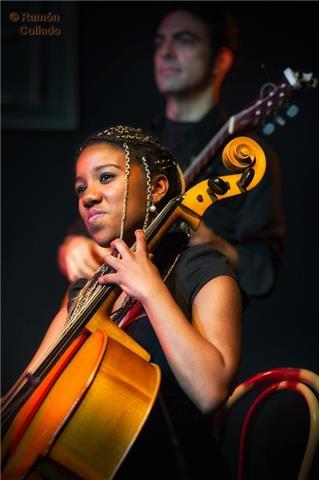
x: 89, y: 409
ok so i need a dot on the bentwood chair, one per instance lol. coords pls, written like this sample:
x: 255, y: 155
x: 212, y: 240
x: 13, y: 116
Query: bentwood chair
x: 263, y: 386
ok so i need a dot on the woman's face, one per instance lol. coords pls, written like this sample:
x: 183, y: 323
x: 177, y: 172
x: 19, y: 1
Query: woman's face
x: 100, y: 185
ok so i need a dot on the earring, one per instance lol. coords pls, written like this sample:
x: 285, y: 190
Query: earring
x: 152, y: 208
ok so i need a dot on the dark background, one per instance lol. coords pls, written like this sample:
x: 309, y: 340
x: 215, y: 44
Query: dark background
x: 98, y: 73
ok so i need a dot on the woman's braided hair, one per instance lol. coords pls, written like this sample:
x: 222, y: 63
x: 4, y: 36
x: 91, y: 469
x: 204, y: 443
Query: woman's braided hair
x: 159, y: 158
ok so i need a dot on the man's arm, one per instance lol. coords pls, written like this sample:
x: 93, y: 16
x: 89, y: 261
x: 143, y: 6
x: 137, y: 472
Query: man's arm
x: 79, y: 256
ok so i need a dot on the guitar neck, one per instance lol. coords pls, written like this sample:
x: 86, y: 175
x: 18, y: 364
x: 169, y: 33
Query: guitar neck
x: 204, y: 157
x: 241, y: 121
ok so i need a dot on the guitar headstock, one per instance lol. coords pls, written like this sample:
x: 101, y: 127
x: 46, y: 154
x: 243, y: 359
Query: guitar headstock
x: 273, y: 98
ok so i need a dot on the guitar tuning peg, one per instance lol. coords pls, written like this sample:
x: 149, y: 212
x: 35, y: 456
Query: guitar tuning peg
x: 281, y: 121
x: 307, y: 77
x: 292, y: 111
x: 292, y: 77
x: 268, y: 129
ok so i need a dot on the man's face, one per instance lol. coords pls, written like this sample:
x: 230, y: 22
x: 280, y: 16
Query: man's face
x: 182, y: 58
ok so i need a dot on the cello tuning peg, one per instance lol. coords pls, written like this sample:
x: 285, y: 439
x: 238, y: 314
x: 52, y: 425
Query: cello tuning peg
x: 268, y: 128
x: 246, y: 178
x: 292, y: 111
x: 218, y: 185
x: 281, y: 121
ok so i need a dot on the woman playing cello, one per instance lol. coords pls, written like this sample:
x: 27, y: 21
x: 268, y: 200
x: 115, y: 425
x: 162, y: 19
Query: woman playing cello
x: 190, y: 323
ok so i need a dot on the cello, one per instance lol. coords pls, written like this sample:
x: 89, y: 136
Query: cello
x: 73, y: 405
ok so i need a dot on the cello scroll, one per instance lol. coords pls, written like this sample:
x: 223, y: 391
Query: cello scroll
x: 243, y: 155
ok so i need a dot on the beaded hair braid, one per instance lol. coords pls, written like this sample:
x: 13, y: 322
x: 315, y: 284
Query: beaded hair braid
x: 149, y: 201
x: 127, y: 174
